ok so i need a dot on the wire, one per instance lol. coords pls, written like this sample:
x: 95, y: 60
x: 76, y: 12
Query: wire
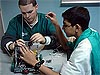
x: 22, y: 27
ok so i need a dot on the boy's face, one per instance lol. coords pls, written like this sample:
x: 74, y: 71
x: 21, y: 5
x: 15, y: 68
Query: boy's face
x: 68, y: 28
x: 29, y: 12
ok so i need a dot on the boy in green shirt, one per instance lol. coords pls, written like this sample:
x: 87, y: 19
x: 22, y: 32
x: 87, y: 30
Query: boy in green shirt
x: 29, y: 26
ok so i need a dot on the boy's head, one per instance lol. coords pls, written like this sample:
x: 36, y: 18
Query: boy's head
x: 77, y: 15
x: 26, y: 2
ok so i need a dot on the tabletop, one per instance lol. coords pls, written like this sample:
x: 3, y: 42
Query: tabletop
x: 52, y: 58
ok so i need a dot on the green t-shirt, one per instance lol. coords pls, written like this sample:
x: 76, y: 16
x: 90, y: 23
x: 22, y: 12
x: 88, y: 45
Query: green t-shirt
x: 17, y: 27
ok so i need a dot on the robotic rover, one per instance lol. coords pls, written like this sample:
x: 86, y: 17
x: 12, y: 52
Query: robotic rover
x: 19, y: 66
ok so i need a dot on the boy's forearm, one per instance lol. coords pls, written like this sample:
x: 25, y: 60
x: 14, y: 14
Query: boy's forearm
x: 45, y: 70
x: 61, y: 37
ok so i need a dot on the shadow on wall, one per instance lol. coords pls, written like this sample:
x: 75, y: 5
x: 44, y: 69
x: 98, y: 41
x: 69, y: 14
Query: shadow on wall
x: 1, y: 25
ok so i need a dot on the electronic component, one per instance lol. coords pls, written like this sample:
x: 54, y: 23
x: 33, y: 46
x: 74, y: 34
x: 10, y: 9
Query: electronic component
x: 19, y: 66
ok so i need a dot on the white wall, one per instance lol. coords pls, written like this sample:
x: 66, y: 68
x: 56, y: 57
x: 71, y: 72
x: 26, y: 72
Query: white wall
x: 10, y: 9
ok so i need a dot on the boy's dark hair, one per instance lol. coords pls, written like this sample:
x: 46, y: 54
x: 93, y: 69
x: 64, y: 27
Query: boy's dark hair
x: 77, y: 15
x: 25, y: 2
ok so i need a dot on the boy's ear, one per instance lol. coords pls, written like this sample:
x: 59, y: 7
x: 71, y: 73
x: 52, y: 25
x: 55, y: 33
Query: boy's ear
x: 36, y: 6
x: 78, y: 27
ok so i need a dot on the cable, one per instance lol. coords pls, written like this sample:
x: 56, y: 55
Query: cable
x: 22, y: 27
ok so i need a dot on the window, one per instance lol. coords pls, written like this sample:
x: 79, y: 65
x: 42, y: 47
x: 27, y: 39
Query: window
x: 80, y: 2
